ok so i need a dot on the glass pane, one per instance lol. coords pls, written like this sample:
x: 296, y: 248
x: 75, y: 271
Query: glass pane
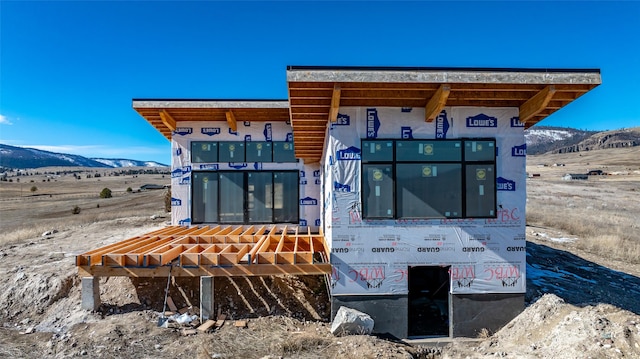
x: 285, y: 197
x: 429, y: 190
x: 204, y: 152
x: 377, y: 151
x: 377, y: 195
x: 231, y: 151
x: 231, y: 197
x: 481, y: 191
x: 283, y: 152
x: 260, y: 197
x: 205, y: 197
x: 428, y: 151
x: 484, y: 150
x: 258, y: 151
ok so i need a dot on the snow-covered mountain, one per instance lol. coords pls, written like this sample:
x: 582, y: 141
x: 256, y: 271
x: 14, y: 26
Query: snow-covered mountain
x: 121, y: 162
x: 21, y: 157
x: 541, y: 139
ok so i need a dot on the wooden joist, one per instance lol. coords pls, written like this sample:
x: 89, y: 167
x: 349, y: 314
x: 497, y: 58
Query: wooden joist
x: 436, y: 103
x: 206, y: 249
x: 536, y: 104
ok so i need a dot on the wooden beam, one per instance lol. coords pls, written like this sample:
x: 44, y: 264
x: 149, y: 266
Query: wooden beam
x: 335, y: 104
x: 168, y: 120
x: 536, y: 104
x: 436, y: 103
x: 231, y: 120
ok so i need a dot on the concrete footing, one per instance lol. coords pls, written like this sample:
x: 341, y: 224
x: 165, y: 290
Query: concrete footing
x: 90, y: 293
x: 207, y: 310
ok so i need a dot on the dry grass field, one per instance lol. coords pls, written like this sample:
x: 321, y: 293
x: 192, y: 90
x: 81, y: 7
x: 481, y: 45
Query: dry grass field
x: 26, y: 214
x: 602, y: 213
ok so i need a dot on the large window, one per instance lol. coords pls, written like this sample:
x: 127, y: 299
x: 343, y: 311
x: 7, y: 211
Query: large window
x: 239, y: 197
x: 413, y: 179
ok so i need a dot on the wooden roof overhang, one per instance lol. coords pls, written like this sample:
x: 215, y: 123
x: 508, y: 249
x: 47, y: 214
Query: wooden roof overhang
x: 211, y: 251
x: 316, y: 93
x: 166, y: 115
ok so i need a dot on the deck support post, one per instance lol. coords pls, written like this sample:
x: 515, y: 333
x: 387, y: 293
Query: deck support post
x: 90, y: 293
x: 207, y: 310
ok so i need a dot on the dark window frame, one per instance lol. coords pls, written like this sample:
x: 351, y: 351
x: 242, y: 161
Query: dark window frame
x: 273, y: 146
x: 463, y: 162
x: 245, y: 205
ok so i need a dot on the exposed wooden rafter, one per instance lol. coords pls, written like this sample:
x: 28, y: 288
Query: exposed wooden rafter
x: 335, y: 104
x: 168, y: 120
x: 231, y: 120
x: 436, y: 103
x: 536, y: 104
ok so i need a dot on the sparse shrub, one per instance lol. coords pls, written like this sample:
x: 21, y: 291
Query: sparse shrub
x: 76, y: 210
x: 106, y: 193
x: 33, y: 188
x: 129, y: 190
x: 98, y: 205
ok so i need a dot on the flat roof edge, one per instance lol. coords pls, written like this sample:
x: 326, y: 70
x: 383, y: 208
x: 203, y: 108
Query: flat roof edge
x: 444, y: 76
x: 417, y: 68
x: 227, y: 103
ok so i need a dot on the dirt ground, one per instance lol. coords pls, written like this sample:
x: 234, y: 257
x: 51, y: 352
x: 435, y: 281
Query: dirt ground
x: 579, y: 304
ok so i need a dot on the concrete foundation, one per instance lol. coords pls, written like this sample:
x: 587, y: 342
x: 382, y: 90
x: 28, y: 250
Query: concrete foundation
x: 473, y: 312
x: 468, y: 313
x: 90, y: 293
x: 207, y: 310
x: 389, y: 312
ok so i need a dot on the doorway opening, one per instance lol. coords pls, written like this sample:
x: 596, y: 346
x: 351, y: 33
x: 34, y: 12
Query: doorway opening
x: 428, y: 301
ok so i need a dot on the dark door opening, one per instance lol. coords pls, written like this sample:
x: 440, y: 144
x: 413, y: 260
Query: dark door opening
x: 428, y: 301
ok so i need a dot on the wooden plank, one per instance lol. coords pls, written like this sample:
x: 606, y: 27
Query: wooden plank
x: 436, y: 103
x: 187, y: 332
x: 216, y: 271
x: 231, y: 120
x: 536, y: 104
x: 167, y: 120
x: 171, y: 304
x: 335, y: 104
x: 206, y: 325
x: 240, y: 324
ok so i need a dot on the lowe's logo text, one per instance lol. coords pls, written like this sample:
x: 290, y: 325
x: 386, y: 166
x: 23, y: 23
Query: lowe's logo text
x: 237, y: 165
x: 482, y: 120
x: 184, y: 222
x: 185, y: 181
x: 210, y: 131
x: 342, y: 120
x: 350, y: 154
x: 406, y: 132
x: 339, y: 187
x: 183, y: 131
x: 373, y: 123
x: 178, y: 151
x: 209, y: 167
x: 515, y: 122
x: 442, y: 125
x: 289, y: 137
x: 179, y: 172
x: 176, y: 202
x: 519, y: 151
x: 303, y: 222
x: 267, y: 132
x: 505, y: 184
x: 308, y: 201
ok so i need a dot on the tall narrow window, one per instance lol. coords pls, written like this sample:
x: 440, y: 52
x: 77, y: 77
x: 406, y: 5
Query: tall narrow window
x: 231, y: 197
x: 205, y: 189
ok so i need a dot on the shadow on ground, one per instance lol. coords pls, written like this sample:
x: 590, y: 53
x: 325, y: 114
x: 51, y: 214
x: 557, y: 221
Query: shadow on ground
x: 578, y: 281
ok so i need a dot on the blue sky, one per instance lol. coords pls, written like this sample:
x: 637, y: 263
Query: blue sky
x: 68, y: 70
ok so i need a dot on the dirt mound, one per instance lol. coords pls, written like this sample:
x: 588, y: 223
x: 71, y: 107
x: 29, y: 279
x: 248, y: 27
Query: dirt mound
x: 551, y: 328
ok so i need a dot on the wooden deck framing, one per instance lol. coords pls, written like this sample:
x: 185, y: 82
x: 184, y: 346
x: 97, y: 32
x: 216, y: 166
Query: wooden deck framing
x: 210, y: 251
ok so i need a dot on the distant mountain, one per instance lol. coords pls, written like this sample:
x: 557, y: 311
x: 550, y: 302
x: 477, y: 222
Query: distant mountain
x: 121, y: 162
x: 20, y: 157
x: 543, y: 139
